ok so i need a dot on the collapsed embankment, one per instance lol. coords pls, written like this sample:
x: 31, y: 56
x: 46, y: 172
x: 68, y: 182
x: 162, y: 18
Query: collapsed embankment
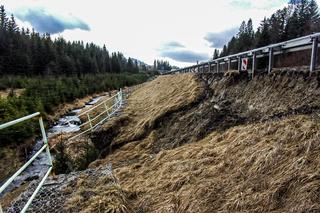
x: 187, y: 143
x: 238, y: 145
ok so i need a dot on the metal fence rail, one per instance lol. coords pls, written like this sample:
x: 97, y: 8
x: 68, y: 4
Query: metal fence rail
x: 44, y: 147
x: 108, y: 110
x: 294, y: 45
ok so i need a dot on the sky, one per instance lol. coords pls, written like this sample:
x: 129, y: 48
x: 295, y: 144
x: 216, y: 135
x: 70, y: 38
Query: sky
x: 180, y: 31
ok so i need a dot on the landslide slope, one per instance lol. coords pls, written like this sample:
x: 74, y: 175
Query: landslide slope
x: 234, y: 145
x: 202, y: 143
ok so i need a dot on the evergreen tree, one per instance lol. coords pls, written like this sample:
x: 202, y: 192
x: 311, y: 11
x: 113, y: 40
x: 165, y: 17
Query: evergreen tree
x: 262, y: 35
x: 130, y: 67
x: 3, y: 18
x: 299, y: 18
x: 216, y: 54
x: 12, y: 26
x: 29, y: 53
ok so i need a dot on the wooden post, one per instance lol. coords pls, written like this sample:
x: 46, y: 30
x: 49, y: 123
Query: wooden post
x: 314, y: 55
x: 270, y: 66
x: 239, y: 63
x: 254, y: 63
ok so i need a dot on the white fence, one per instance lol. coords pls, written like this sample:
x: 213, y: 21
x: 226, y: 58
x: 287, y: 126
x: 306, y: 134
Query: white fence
x: 110, y: 106
x: 93, y: 121
x: 44, y: 147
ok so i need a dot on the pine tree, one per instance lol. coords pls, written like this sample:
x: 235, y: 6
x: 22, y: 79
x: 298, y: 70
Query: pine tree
x: 12, y: 26
x: 154, y: 65
x: 216, y: 54
x: 130, y: 67
x: 313, y: 16
x: 3, y: 18
x: 263, y: 36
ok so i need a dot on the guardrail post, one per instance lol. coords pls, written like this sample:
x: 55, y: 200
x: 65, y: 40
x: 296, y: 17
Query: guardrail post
x: 209, y: 67
x: 254, y: 64
x: 229, y: 63
x: 314, y: 54
x: 217, y: 66
x: 270, y: 65
x: 239, y: 63
x: 89, y: 119
x: 120, y: 94
x: 45, y: 140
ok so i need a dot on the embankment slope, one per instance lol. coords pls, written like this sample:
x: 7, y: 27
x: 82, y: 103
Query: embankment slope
x: 234, y: 145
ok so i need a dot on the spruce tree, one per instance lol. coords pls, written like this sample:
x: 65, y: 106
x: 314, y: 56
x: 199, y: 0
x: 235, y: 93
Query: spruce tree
x: 3, y: 18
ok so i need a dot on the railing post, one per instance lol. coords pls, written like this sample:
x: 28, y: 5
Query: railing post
x: 105, y: 106
x: 270, y: 65
x: 254, y: 64
x: 89, y: 119
x: 217, y: 66
x: 229, y: 63
x: 314, y: 54
x: 45, y: 140
x: 209, y: 67
x: 239, y: 63
x: 120, y: 94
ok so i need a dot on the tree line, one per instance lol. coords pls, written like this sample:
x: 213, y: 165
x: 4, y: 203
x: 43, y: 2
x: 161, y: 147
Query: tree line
x: 53, y: 72
x: 161, y: 65
x: 25, y: 52
x: 43, y: 95
x: 298, y: 18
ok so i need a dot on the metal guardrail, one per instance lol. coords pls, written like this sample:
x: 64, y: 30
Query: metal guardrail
x: 294, y: 45
x: 108, y: 110
x: 44, y: 147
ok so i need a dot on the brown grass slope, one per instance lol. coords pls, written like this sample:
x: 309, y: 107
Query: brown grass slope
x: 244, y: 146
x: 146, y: 107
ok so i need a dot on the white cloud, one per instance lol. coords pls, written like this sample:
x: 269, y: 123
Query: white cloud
x: 258, y: 4
x: 218, y: 39
x: 139, y: 28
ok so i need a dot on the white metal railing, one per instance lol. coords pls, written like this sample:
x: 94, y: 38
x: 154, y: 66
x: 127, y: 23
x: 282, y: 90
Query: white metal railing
x: 44, y: 147
x: 294, y: 45
x: 108, y: 111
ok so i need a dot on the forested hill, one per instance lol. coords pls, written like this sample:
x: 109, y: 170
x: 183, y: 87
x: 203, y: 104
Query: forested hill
x: 26, y: 52
x: 298, y: 18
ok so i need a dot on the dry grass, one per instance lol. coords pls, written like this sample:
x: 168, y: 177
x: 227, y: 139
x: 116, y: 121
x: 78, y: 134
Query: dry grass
x: 265, y: 167
x: 153, y: 101
x: 9, y: 156
x: 104, y: 195
x: 269, y: 163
